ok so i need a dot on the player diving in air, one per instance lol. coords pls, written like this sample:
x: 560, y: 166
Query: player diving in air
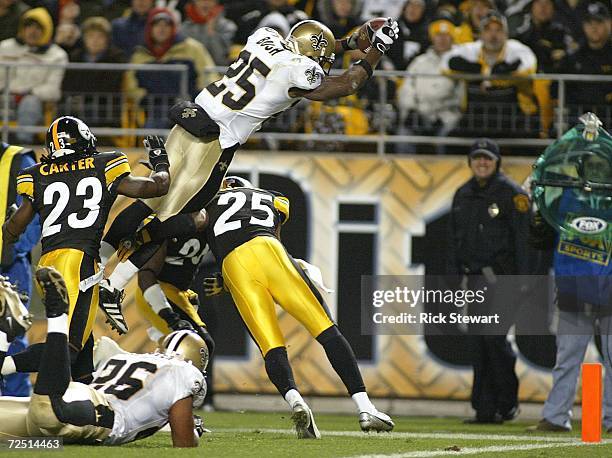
x: 271, y: 74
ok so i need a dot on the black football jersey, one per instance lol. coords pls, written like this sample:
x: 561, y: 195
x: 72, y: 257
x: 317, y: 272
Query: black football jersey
x: 238, y: 215
x: 183, y: 257
x: 73, y: 196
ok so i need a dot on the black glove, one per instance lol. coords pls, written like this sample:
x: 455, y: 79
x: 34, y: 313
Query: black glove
x: 174, y: 320
x: 213, y: 285
x: 158, y: 158
x: 461, y: 64
x: 505, y: 68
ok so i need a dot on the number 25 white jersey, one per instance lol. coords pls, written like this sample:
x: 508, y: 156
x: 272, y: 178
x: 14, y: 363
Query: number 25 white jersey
x: 256, y: 85
x: 141, y: 389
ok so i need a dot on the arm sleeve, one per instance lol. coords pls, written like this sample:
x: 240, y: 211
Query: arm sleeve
x: 305, y: 74
x: 116, y: 168
x: 25, y: 184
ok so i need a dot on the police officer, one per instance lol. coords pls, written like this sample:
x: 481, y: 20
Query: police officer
x: 488, y: 230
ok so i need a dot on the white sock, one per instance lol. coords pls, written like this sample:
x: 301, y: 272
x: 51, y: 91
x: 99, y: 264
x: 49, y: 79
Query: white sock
x: 156, y: 298
x: 363, y: 403
x: 4, y: 343
x: 58, y: 324
x: 105, y: 252
x: 292, y: 397
x: 122, y: 274
x: 8, y: 367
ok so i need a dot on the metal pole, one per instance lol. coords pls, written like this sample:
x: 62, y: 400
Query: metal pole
x: 561, y: 109
x: 7, y: 107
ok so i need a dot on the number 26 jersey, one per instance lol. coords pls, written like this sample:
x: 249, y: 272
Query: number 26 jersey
x: 73, y: 195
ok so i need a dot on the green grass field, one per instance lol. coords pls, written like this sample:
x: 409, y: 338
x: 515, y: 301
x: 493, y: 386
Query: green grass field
x: 268, y: 435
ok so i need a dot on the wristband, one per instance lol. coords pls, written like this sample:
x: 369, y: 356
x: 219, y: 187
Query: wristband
x: 366, y: 66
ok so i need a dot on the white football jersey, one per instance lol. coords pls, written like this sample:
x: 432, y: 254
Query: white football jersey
x: 255, y: 87
x: 141, y: 389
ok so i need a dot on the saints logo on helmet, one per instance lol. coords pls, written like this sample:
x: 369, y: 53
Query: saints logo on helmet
x: 189, y: 345
x: 315, y: 40
x: 69, y: 135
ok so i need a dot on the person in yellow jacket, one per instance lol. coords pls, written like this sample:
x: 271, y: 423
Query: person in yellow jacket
x: 164, y: 44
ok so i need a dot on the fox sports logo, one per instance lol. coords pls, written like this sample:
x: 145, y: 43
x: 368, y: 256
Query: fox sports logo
x: 589, y: 225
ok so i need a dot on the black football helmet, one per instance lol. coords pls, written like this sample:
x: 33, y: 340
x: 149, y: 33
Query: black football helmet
x: 232, y: 181
x: 69, y: 135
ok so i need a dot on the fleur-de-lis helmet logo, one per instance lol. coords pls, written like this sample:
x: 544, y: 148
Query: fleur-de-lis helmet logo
x: 318, y: 41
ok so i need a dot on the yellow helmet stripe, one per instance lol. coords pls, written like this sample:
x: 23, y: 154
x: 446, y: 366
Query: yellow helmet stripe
x: 54, y: 134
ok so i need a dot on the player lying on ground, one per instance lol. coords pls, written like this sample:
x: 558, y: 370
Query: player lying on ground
x: 131, y: 397
x: 73, y: 189
x: 244, y: 235
x: 271, y: 74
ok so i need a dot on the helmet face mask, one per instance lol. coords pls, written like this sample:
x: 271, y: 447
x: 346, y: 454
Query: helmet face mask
x: 69, y: 135
x: 314, y: 40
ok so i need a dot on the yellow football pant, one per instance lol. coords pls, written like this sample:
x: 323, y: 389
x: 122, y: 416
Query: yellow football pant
x: 74, y: 265
x: 178, y: 300
x: 260, y: 273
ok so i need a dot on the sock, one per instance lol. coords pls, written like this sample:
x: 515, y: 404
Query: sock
x: 54, y: 371
x: 292, y: 397
x: 363, y: 403
x: 156, y: 298
x: 58, y: 324
x: 142, y: 255
x: 127, y: 222
x: 8, y: 366
x: 341, y: 356
x: 122, y: 274
x: 27, y: 360
x: 279, y: 371
x: 106, y: 251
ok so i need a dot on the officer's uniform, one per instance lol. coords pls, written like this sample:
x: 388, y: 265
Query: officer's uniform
x: 183, y: 256
x: 488, y: 234
x: 73, y: 195
x: 257, y: 269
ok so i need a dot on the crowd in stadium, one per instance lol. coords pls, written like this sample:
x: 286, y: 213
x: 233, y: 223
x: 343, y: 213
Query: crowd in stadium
x: 520, y: 38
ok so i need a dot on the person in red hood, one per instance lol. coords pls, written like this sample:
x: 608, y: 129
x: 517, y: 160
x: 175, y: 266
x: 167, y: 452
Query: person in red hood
x: 205, y: 21
x: 164, y: 44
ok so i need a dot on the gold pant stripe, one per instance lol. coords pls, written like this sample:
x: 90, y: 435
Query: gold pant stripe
x: 69, y: 262
x: 192, y: 161
x: 259, y: 273
x: 177, y: 299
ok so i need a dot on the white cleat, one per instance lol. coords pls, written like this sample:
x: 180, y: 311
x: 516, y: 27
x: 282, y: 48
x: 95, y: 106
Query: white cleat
x: 377, y: 421
x: 303, y: 420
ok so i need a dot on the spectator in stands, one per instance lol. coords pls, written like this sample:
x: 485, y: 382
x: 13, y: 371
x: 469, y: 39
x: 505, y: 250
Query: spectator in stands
x: 165, y: 45
x: 128, y: 31
x: 477, y: 10
x: 551, y: 44
x: 110, y: 9
x: 571, y: 14
x: 413, y: 39
x: 68, y: 32
x: 495, y: 54
x: 593, y: 58
x: 433, y: 104
x: 30, y: 88
x: 283, y: 15
x: 378, y: 8
x: 10, y: 12
x: 95, y: 94
x: 205, y: 22
x: 339, y: 15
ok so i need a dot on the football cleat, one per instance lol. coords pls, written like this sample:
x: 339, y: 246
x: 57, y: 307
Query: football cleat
x: 110, y: 303
x: 376, y: 421
x: 303, y: 420
x: 55, y: 293
x: 15, y: 319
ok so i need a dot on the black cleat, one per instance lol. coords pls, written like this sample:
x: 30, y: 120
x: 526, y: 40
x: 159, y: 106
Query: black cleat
x: 15, y: 319
x: 55, y: 293
x: 110, y: 303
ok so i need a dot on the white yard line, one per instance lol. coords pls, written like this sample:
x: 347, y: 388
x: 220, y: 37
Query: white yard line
x: 473, y: 451
x: 405, y: 435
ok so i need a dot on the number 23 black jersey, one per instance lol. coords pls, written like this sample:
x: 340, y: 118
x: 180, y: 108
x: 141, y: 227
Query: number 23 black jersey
x: 238, y: 215
x: 73, y: 196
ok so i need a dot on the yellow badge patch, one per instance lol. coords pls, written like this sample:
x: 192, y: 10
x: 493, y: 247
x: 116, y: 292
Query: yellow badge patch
x: 521, y: 203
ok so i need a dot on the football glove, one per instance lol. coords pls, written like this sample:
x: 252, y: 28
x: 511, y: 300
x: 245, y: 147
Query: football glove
x: 174, y: 321
x: 198, y: 426
x: 386, y: 36
x: 158, y: 157
x: 214, y: 285
x: 193, y: 298
x: 352, y: 39
x: 129, y: 245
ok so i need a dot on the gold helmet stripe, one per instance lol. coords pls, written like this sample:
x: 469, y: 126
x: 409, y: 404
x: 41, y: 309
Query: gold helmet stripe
x: 54, y: 133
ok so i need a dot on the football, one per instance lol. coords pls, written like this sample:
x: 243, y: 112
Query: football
x: 364, y: 42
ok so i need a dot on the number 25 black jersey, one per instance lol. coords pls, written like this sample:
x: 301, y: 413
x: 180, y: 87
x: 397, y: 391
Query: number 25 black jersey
x: 73, y: 195
x: 238, y: 215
